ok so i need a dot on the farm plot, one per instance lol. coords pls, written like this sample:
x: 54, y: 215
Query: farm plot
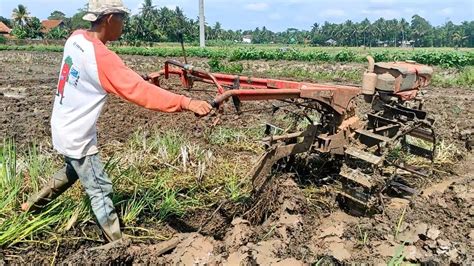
x: 197, y: 210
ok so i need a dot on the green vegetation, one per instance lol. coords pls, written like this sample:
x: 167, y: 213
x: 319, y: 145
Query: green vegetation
x: 440, y: 57
x: 398, y: 258
x: 462, y: 78
x: 350, y: 76
x: 241, y: 139
x: 217, y: 65
x: 155, y: 175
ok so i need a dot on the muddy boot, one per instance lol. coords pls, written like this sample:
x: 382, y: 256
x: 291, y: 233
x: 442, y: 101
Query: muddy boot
x: 60, y: 182
x: 122, y: 242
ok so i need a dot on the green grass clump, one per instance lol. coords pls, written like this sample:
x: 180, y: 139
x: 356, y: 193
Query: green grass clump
x: 156, y: 176
x: 237, y: 139
x: 19, y: 176
x: 463, y: 78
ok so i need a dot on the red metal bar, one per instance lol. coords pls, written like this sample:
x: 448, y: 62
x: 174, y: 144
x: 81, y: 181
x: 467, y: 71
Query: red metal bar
x: 334, y: 96
x: 262, y: 94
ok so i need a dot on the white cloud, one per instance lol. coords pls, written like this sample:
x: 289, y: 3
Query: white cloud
x: 383, y: 13
x: 382, y: 1
x: 275, y: 16
x: 261, y: 6
x: 332, y: 13
x: 446, y: 11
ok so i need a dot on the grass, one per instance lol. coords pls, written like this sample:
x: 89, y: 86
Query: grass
x: 455, y: 78
x: 400, y: 222
x: 446, y: 155
x: 156, y: 176
x: 352, y: 76
x: 237, y: 139
x: 398, y: 258
x: 363, y: 236
x: 17, y: 179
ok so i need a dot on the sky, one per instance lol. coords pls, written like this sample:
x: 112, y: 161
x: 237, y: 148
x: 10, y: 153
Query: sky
x: 278, y: 15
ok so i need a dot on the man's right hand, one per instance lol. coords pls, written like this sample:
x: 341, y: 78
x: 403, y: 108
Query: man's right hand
x: 200, y: 108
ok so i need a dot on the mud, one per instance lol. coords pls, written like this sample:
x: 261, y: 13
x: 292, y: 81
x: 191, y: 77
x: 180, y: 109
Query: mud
x: 283, y: 227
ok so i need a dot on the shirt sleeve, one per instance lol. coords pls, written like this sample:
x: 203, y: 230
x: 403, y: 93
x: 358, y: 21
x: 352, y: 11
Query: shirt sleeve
x: 115, y: 77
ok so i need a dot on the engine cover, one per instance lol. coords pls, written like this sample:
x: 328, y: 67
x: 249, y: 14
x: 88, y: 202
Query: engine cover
x: 402, y: 76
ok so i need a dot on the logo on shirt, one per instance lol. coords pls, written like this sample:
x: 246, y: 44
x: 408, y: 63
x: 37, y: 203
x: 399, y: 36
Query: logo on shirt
x: 74, y: 76
x: 69, y: 75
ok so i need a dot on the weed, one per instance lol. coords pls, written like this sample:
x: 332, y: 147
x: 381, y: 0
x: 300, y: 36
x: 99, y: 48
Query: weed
x: 243, y: 139
x: 155, y: 174
x: 235, y: 187
x: 400, y: 222
x: 269, y: 233
x: 463, y: 77
x: 363, y: 236
x: 398, y: 257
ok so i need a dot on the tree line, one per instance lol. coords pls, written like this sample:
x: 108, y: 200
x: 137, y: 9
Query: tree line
x: 153, y: 24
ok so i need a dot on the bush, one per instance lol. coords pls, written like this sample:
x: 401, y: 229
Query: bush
x: 443, y: 58
x: 232, y: 68
x: 345, y: 56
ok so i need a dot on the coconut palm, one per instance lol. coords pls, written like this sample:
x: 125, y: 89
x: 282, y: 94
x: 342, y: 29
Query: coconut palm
x: 20, y: 15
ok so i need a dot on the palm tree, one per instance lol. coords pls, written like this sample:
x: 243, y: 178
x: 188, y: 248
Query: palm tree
x: 403, y: 26
x: 20, y: 15
x: 147, y: 9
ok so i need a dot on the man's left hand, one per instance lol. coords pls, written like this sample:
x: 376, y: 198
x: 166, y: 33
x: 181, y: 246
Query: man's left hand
x: 200, y: 108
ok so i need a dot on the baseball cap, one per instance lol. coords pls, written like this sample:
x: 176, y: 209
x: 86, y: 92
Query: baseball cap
x: 98, y: 8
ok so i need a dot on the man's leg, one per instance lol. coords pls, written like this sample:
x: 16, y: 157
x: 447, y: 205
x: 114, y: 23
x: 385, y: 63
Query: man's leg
x: 60, y: 182
x: 99, y: 189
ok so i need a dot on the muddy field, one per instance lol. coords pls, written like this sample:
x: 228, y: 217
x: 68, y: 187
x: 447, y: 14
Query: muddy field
x: 436, y: 226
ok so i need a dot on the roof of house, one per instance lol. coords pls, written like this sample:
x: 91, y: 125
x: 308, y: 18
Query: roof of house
x: 4, y: 28
x: 50, y: 24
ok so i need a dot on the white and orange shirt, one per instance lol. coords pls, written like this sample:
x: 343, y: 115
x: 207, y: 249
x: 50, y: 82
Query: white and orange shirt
x: 89, y: 72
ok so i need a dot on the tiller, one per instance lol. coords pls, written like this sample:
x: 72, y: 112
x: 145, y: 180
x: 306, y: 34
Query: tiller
x: 366, y: 148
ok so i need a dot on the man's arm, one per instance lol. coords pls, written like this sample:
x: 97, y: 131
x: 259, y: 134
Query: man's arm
x: 115, y: 77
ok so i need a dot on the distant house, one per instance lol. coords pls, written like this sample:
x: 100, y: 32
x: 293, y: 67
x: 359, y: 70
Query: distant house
x: 331, y: 42
x: 247, y: 39
x: 48, y: 25
x: 4, y: 30
x: 407, y: 43
x: 382, y: 43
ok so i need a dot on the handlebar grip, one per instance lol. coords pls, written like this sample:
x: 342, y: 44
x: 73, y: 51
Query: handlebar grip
x: 214, y: 104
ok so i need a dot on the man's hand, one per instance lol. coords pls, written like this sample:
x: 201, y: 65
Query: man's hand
x: 200, y: 108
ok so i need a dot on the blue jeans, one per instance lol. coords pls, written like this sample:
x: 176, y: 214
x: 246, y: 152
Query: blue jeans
x: 90, y: 171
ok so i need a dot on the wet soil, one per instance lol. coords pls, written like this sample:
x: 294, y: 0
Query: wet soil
x: 434, y: 226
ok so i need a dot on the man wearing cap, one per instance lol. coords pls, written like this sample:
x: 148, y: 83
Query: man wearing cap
x: 89, y: 72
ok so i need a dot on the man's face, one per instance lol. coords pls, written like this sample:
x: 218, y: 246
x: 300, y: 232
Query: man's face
x: 115, y: 25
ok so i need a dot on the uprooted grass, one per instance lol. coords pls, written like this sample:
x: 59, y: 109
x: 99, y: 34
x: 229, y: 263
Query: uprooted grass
x: 156, y: 176
x: 446, y: 155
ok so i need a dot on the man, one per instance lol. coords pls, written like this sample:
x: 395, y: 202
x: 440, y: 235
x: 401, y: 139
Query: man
x: 88, y: 73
